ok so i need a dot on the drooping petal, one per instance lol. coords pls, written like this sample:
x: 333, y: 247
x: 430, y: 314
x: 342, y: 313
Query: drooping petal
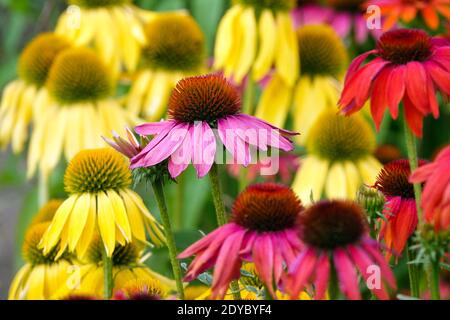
x: 348, y: 280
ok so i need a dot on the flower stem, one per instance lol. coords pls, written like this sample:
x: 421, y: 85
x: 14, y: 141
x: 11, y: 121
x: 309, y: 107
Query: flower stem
x: 414, y: 163
x: 108, y: 283
x: 220, y: 215
x: 179, y: 205
x: 434, y: 281
x: 42, y: 189
x: 160, y: 199
x: 333, y: 287
x: 413, y: 272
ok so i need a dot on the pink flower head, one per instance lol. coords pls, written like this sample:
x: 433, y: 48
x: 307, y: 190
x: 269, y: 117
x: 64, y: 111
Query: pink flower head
x: 335, y: 237
x: 400, y: 211
x: 436, y: 193
x: 410, y: 66
x: 262, y: 230
x: 129, y: 147
x: 196, y: 107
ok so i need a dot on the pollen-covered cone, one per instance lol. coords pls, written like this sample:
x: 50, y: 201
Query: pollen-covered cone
x: 339, y: 158
x: 254, y: 36
x: 323, y: 59
x: 74, y: 110
x: 16, y: 106
x: 127, y: 267
x: 98, y: 181
x: 42, y: 274
x: 175, y: 49
x: 112, y: 27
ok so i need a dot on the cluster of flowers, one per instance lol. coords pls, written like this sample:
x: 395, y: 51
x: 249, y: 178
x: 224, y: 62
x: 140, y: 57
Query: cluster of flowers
x: 345, y: 213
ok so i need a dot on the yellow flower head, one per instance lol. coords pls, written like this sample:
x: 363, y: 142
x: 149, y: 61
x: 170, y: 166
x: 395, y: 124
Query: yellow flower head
x: 47, y: 211
x: 339, y: 158
x: 78, y: 75
x: 43, y: 273
x: 38, y: 56
x: 322, y: 52
x: 97, y: 181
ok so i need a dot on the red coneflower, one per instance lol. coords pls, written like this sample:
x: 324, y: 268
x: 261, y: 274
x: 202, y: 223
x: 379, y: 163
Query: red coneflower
x: 197, y: 105
x: 336, y: 240
x: 436, y: 193
x: 400, y: 211
x: 262, y: 230
x: 410, y: 66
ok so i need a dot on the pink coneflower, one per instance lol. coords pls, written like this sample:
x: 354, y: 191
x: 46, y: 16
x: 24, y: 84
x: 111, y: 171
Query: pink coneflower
x: 336, y: 240
x: 436, y: 193
x: 400, y: 212
x: 410, y: 66
x: 196, y: 106
x: 262, y: 230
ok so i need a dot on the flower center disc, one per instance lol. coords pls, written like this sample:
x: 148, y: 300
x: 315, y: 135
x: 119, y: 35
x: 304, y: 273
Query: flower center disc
x: 347, y: 5
x: 266, y: 207
x: 203, y: 98
x: 274, y: 5
x: 335, y: 137
x: 95, y: 170
x: 78, y: 75
x: 331, y: 224
x: 321, y: 51
x: 175, y: 42
x: 97, y: 3
x: 38, y: 56
x: 404, y: 45
x: 143, y: 289
x: 393, y: 179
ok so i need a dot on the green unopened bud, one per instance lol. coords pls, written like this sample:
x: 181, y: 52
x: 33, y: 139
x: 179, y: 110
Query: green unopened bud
x: 371, y: 200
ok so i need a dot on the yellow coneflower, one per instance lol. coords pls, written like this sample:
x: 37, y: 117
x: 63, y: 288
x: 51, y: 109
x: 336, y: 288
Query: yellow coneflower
x: 42, y: 275
x: 47, y: 211
x: 339, y: 158
x: 16, y: 106
x: 127, y: 266
x: 112, y: 27
x: 98, y: 181
x: 255, y: 35
x: 324, y: 57
x: 74, y: 110
x: 175, y: 49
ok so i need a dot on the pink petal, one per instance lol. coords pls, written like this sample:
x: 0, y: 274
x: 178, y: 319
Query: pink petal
x: 416, y: 86
x: 348, y: 280
x: 440, y: 76
x: 300, y: 271
x: 396, y: 85
x: 342, y: 23
x: 322, y: 276
x: 181, y: 158
x: 263, y: 257
x: 378, y: 102
x: 414, y: 118
x: 204, y: 148
x: 239, y: 150
x: 380, y: 260
x: 153, y: 128
x: 356, y: 64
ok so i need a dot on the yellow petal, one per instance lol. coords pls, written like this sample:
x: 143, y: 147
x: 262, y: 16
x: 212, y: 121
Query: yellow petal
x: 78, y: 219
x: 120, y: 215
x: 310, y: 179
x: 36, y: 282
x: 353, y: 179
x: 267, y: 45
x: 16, y: 287
x: 134, y: 217
x: 106, y: 225
x: 225, y: 36
x: 158, y: 94
x: 86, y: 236
x: 247, y: 49
x: 287, y: 57
x: 275, y: 101
x: 139, y: 88
x: 369, y: 168
x: 336, y: 184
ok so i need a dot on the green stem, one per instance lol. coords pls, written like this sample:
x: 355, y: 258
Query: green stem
x: 108, y: 282
x: 160, y: 199
x: 333, y: 287
x: 220, y: 215
x: 413, y: 272
x: 42, y: 189
x: 434, y: 281
x: 179, y: 205
x: 414, y: 163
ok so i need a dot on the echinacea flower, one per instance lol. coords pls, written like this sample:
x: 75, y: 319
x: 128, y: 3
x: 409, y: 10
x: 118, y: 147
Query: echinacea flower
x: 336, y: 241
x: 339, y: 158
x: 407, y: 11
x: 323, y: 60
x: 262, y: 230
x: 74, y: 110
x: 196, y: 106
x: 436, y: 193
x: 410, y: 67
x: 400, y: 212
x: 175, y: 49
x: 254, y: 36
x: 19, y: 96
x: 98, y: 182
x: 127, y: 265
x: 47, y: 211
x: 112, y: 27
x: 42, y: 274
x: 141, y: 289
